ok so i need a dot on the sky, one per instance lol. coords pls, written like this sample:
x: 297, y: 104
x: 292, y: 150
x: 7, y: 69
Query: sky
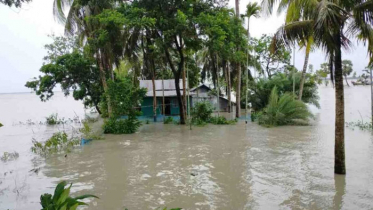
x: 24, y: 32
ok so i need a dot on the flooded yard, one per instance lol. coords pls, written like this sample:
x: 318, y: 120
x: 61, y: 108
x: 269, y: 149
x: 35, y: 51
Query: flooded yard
x: 213, y: 167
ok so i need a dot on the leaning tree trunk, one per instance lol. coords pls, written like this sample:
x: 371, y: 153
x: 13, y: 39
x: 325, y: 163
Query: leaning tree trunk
x: 339, y: 152
x: 304, y: 72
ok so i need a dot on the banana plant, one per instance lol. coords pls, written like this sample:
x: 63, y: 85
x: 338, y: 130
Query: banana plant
x: 61, y: 199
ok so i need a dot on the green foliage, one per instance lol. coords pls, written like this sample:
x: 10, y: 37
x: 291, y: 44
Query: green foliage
x: 121, y: 126
x: 9, y: 156
x: 16, y: 3
x: 88, y: 133
x: 61, y: 199
x: 220, y: 120
x: 261, y: 90
x: 125, y: 98
x: 168, y: 120
x: 201, y: 112
x: 54, y: 120
x: 73, y: 69
x: 283, y: 110
x: 1, y: 125
x: 347, y: 67
x: 59, y: 142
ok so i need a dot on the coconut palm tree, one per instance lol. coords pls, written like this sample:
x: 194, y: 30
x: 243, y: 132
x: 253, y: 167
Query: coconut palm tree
x: 238, y: 91
x: 330, y: 22
x: 347, y: 68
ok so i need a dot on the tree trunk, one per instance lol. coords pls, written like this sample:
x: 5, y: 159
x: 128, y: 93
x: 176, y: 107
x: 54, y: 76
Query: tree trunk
x: 339, y: 152
x: 238, y: 91
x: 347, y: 80
x: 184, y: 92
x: 229, y: 88
x: 104, y: 83
x: 304, y: 73
x: 154, y: 93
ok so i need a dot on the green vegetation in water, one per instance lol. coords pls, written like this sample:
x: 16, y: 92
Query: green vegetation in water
x: 283, y: 110
x: 90, y: 119
x: 61, y: 199
x: 202, y: 114
x: 220, y: 120
x: 9, y: 156
x: 147, y: 122
x: 54, y: 120
x: 125, y: 98
x: 168, y: 120
x: 1, y: 125
x: 88, y: 133
x: 59, y: 142
x: 361, y: 125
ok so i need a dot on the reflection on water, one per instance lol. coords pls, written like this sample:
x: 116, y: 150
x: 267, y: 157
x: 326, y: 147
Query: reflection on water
x: 212, y: 167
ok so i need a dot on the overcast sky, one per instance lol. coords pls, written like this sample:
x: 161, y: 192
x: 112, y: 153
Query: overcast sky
x: 24, y: 32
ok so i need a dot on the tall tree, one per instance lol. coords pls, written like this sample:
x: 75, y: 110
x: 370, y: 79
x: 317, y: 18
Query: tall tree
x: 331, y: 22
x: 238, y: 90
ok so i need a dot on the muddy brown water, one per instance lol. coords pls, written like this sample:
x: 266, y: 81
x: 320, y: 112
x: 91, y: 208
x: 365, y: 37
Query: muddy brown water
x: 212, y: 167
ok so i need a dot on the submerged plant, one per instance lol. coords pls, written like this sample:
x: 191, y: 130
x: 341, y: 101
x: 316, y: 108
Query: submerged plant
x: 201, y: 112
x: 220, y: 120
x: 121, y: 126
x: 9, y: 156
x: 61, y: 199
x: 88, y: 133
x: 283, y: 110
x: 54, y: 120
x: 361, y: 125
x: 59, y: 142
x: 168, y: 120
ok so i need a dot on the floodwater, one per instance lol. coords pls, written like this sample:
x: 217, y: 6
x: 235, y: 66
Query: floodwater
x: 213, y: 167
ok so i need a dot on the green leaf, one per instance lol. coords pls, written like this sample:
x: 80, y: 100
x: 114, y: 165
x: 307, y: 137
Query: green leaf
x: 85, y: 196
x: 45, y: 200
x: 58, y: 191
x: 64, y: 195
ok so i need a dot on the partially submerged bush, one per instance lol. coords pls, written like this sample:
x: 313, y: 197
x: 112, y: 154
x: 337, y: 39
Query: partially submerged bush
x: 61, y: 199
x: 220, y: 120
x: 88, y: 133
x: 360, y: 124
x: 168, y: 120
x: 283, y: 110
x: 9, y: 156
x: 202, y: 112
x: 59, y: 142
x: 121, y: 126
x: 54, y: 120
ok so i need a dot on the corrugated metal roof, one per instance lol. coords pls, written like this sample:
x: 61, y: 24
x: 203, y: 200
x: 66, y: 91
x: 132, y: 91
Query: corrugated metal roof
x: 168, y: 84
x: 167, y: 93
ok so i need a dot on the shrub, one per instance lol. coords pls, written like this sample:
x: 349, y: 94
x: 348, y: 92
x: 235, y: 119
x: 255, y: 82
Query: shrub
x: 202, y: 112
x: 283, y: 110
x: 261, y: 89
x: 61, y: 199
x: 168, y: 120
x: 121, y: 126
x: 59, y: 142
x: 87, y: 132
x: 54, y: 120
x: 220, y: 120
x: 9, y: 156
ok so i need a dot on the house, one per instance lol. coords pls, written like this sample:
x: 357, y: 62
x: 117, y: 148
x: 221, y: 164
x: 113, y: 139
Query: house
x: 166, y: 89
x: 204, y: 93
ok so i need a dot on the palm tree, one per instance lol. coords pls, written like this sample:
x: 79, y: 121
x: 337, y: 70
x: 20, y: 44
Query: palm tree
x: 327, y: 21
x: 252, y: 10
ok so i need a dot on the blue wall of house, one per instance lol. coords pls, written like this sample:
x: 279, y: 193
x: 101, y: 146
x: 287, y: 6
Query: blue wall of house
x: 147, y: 106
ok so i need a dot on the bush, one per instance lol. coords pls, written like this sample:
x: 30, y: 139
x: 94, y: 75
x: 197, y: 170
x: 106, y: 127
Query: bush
x: 221, y: 121
x: 168, y: 120
x: 61, y: 199
x: 54, y: 120
x: 87, y: 132
x: 283, y: 110
x: 9, y: 156
x: 201, y: 112
x: 121, y: 126
x: 59, y: 142
x: 261, y: 89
